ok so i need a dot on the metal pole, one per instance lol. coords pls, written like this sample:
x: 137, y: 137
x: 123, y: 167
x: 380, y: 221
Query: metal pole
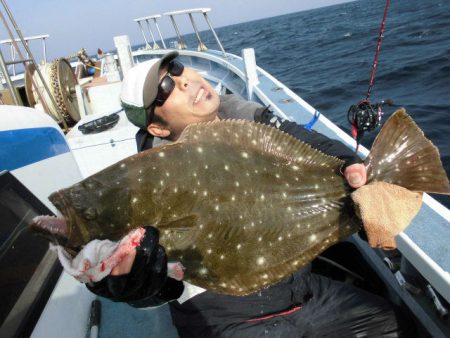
x: 159, y: 32
x: 201, y: 46
x: 155, y: 45
x: 147, y: 46
x: 13, y: 58
x: 215, y: 35
x: 181, y: 44
x: 8, y: 80
x: 19, y: 33
x: 45, y: 50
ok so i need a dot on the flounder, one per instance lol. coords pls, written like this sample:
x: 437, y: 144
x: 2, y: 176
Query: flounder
x: 239, y: 204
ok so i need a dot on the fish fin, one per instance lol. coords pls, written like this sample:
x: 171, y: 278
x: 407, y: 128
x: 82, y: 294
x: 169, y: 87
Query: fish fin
x: 249, y: 135
x: 402, y: 155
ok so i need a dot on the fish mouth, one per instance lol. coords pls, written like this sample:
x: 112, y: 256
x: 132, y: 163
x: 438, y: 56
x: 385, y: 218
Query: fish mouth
x: 55, y: 228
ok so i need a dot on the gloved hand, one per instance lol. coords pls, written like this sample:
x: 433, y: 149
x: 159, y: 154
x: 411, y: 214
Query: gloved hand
x: 386, y: 210
x: 147, y: 283
x: 98, y: 258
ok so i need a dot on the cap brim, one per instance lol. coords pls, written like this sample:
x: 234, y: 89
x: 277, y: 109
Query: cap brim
x: 152, y: 79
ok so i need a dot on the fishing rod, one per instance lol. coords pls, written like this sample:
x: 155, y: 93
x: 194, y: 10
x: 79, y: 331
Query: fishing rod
x: 365, y: 116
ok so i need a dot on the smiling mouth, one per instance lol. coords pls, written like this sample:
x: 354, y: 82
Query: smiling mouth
x: 202, y: 94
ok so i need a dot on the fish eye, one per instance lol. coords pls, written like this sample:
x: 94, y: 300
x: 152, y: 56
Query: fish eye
x: 90, y: 213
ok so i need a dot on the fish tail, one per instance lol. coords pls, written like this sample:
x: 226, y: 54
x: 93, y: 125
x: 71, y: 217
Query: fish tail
x: 402, y: 155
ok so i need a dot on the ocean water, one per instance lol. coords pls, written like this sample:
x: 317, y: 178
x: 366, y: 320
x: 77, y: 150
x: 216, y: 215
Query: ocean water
x: 325, y: 55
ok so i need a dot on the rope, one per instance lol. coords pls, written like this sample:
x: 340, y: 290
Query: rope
x: 311, y: 123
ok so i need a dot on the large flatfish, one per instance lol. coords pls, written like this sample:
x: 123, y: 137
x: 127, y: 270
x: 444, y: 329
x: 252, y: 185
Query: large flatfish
x: 239, y: 204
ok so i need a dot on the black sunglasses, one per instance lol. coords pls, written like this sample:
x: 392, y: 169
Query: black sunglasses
x: 167, y: 84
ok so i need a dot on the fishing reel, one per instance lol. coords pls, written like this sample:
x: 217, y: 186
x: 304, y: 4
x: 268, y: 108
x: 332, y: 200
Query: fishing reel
x: 365, y: 116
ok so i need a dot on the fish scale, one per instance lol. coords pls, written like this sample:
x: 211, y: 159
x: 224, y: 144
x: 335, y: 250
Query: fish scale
x: 241, y: 205
x: 216, y: 188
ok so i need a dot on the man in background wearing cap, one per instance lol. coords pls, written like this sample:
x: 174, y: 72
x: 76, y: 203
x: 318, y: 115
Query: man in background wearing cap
x: 162, y: 97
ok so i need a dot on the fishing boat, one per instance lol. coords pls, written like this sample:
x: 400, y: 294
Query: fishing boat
x: 44, y: 149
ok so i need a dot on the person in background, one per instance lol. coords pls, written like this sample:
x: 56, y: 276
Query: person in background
x: 162, y: 97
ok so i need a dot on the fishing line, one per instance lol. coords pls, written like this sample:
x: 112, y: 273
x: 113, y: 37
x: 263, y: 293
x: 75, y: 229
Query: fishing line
x: 365, y: 116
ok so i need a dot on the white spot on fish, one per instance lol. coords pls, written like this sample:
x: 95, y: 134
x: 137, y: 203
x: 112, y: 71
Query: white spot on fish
x: 206, y: 166
x: 277, y: 175
x: 161, y: 154
x: 175, y: 190
x: 209, y: 251
x: 205, y: 193
x: 216, y: 207
x: 200, y: 149
x: 262, y: 197
x: 259, y: 239
x: 233, y: 198
x: 161, y: 182
x: 236, y: 183
x: 280, y: 238
x: 203, y: 271
x: 238, y: 246
x: 244, y: 155
x: 260, y: 261
x: 222, y: 257
x: 226, y: 167
x: 122, y: 165
x: 210, y: 236
x: 294, y: 167
x: 265, y: 276
x: 201, y: 226
x: 313, y: 238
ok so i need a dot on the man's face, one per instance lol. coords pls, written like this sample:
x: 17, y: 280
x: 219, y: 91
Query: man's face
x: 193, y: 100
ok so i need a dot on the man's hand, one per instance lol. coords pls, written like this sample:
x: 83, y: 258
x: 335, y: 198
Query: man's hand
x: 356, y: 175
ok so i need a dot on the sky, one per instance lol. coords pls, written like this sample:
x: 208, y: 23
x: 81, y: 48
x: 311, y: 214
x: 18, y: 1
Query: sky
x: 93, y: 24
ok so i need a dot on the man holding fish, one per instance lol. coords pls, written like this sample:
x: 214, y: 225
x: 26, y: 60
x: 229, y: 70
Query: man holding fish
x: 162, y: 98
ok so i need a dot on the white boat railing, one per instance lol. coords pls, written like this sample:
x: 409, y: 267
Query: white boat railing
x: 13, y: 56
x: 201, y: 47
x: 155, y: 22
